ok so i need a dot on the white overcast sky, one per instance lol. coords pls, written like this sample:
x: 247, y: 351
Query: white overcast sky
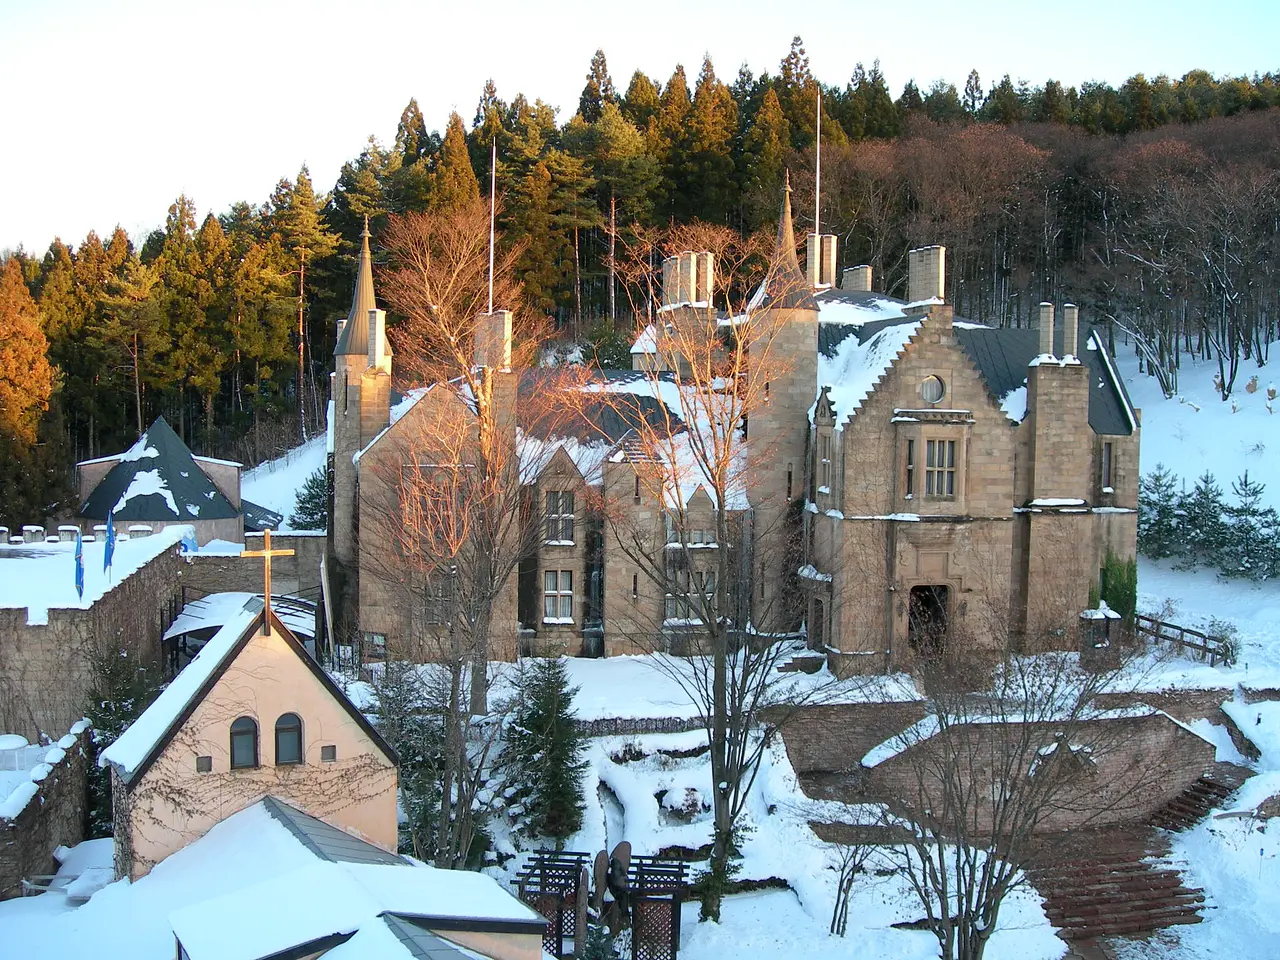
x: 111, y: 108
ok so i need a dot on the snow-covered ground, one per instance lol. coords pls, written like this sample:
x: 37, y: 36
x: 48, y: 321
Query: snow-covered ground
x: 276, y: 483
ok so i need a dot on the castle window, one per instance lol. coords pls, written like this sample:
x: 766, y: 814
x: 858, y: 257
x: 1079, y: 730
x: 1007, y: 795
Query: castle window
x: 932, y: 389
x: 824, y: 464
x: 244, y: 743
x: 636, y: 496
x: 204, y: 764
x: 1107, y: 485
x: 790, y: 470
x: 437, y: 599
x: 559, y: 516
x: 635, y: 586
x: 329, y: 753
x: 911, y: 468
x: 940, y: 469
x: 557, y: 596
x: 288, y: 740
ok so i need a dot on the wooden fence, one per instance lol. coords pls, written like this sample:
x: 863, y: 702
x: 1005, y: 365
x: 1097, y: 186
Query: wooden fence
x: 1214, y: 649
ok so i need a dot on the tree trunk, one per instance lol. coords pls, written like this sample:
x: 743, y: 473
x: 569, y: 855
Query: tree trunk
x: 137, y: 382
x: 613, y: 242
x: 302, y: 411
x: 577, y: 287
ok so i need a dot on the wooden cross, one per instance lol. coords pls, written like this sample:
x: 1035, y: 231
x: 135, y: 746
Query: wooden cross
x: 266, y: 553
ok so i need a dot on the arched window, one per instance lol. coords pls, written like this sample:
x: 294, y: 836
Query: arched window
x: 244, y: 743
x: 288, y: 739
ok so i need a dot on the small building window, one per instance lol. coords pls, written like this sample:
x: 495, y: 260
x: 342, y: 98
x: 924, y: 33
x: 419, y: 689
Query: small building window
x: 204, y: 764
x: 635, y: 586
x: 932, y: 389
x: 824, y: 464
x: 559, y: 516
x: 557, y: 596
x: 1107, y: 485
x: 790, y: 471
x: 244, y: 743
x: 911, y: 468
x: 636, y: 496
x: 940, y: 468
x: 288, y: 740
x: 328, y: 753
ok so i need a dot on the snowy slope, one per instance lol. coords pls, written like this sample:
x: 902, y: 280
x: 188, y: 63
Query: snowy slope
x: 276, y: 483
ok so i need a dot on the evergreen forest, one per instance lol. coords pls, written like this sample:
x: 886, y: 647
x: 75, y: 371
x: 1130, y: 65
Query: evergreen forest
x: 1154, y: 206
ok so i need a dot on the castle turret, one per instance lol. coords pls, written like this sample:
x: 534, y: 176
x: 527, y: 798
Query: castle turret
x: 361, y: 396
x: 786, y: 315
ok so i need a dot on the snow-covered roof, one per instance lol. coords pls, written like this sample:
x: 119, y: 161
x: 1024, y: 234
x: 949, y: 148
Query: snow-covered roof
x: 147, y: 736
x: 217, y: 609
x: 157, y: 479
x: 41, y: 576
x: 855, y: 364
x: 24, y: 766
x: 322, y: 899
x: 536, y: 453
x: 647, y: 342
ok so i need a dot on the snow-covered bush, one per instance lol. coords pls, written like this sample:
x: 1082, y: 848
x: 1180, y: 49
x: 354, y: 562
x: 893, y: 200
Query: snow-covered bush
x: 1159, y: 517
x: 312, y: 512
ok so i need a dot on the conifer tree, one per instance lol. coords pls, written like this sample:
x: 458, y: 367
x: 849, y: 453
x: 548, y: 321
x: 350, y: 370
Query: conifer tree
x: 598, y: 91
x: 708, y: 184
x: 670, y: 130
x: 1159, y: 535
x: 1205, y: 529
x: 1250, y: 549
x: 412, y: 140
x: 942, y: 103
x: 544, y: 749
x: 972, y: 94
x: 641, y: 103
x: 312, y: 510
x: 26, y: 378
x: 764, y: 152
x: 454, y: 183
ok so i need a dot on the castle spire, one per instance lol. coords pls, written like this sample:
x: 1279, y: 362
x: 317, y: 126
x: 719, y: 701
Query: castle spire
x: 355, y: 333
x: 786, y: 285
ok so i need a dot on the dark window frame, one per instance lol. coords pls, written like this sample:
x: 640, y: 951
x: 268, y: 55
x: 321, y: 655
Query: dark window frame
x: 294, y: 727
x: 251, y: 732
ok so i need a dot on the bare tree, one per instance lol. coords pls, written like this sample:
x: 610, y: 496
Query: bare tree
x: 1001, y: 772
x: 689, y: 452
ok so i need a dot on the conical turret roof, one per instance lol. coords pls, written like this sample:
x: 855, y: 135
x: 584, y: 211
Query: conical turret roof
x: 355, y: 333
x: 786, y: 285
x: 157, y: 480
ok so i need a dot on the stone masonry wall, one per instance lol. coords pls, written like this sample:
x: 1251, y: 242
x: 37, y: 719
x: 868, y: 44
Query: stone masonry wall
x: 299, y: 574
x: 56, y: 815
x: 46, y: 670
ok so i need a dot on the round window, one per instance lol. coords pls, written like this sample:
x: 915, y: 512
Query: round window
x: 932, y: 389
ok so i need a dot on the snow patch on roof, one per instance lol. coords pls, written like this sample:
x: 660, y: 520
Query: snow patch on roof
x: 857, y: 367
x: 1014, y: 403
x: 139, y: 451
x: 146, y: 483
x: 862, y: 311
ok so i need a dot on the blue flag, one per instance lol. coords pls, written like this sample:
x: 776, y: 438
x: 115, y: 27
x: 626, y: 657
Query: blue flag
x: 79, y: 565
x: 110, y: 549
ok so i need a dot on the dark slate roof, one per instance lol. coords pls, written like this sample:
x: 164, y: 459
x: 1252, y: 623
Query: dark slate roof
x: 831, y: 335
x: 325, y: 841
x: 257, y: 519
x: 1002, y: 355
x: 420, y: 942
x: 160, y: 450
x: 608, y: 419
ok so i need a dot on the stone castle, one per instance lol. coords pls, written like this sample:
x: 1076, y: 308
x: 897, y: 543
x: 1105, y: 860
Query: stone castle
x: 911, y: 479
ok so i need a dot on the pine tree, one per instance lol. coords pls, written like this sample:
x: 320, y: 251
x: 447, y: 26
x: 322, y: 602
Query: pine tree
x: 640, y: 103
x: 709, y: 187
x: 1205, y: 530
x: 454, y: 183
x: 764, y: 154
x: 942, y: 103
x: 26, y: 378
x: 1250, y: 548
x: 412, y: 140
x: 972, y: 94
x: 1158, y: 516
x: 598, y: 91
x: 670, y: 133
x: 402, y: 706
x: 544, y: 749
x: 312, y: 510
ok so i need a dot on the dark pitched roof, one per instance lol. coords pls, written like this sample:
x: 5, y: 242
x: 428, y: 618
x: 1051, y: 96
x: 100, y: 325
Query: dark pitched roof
x: 325, y: 841
x: 1002, y: 355
x: 355, y: 334
x: 608, y: 418
x: 178, y: 491
x: 257, y: 519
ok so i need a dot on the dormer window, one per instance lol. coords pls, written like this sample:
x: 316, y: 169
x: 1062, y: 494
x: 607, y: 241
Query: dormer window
x: 288, y: 740
x: 244, y: 743
x: 559, y: 516
x: 932, y: 390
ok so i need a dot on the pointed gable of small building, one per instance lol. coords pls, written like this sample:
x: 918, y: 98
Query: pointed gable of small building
x: 157, y: 480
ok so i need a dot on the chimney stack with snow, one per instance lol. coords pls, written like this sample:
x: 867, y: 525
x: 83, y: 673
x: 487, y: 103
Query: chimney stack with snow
x: 926, y: 274
x: 820, y: 264
x: 704, y: 276
x: 1070, y: 330
x: 857, y: 279
x: 493, y: 340
x: 670, y: 281
x: 1046, y: 329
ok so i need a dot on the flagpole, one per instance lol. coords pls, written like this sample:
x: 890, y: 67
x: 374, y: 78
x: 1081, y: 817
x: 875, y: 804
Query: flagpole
x: 493, y: 192
x: 817, y: 171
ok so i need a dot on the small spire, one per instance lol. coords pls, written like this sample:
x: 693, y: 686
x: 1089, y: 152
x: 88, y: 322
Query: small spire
x: 786, y: 248
x: 355, y: 334
x: 786, y: 284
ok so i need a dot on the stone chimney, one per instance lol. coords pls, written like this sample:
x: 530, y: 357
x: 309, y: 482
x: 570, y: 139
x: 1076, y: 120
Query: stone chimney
x: 857, y: 279
x: 493, y: 339
x: 704, y: 276
x: 688, y: 277
x: 379, y: 355
x: 670, y: 281
x: 821, y: 260
x: 1046, y: 330
x: 1070, y: 330
x: 926, y: 274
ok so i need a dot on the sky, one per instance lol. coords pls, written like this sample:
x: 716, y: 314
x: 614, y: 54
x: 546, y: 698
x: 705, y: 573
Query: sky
x: 112, y: 108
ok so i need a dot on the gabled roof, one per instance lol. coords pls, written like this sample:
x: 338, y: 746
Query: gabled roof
x: 325, y: 841
x: 355, y: 333
x: 146, y: 738
x: 257, y: 519
x: 157, y: 479
x: 1002, y: 356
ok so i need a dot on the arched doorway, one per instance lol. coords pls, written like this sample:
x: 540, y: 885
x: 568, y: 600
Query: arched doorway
x: 927, y: 620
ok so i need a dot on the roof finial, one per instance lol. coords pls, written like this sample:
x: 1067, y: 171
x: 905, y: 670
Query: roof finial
x: 365, y: 232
